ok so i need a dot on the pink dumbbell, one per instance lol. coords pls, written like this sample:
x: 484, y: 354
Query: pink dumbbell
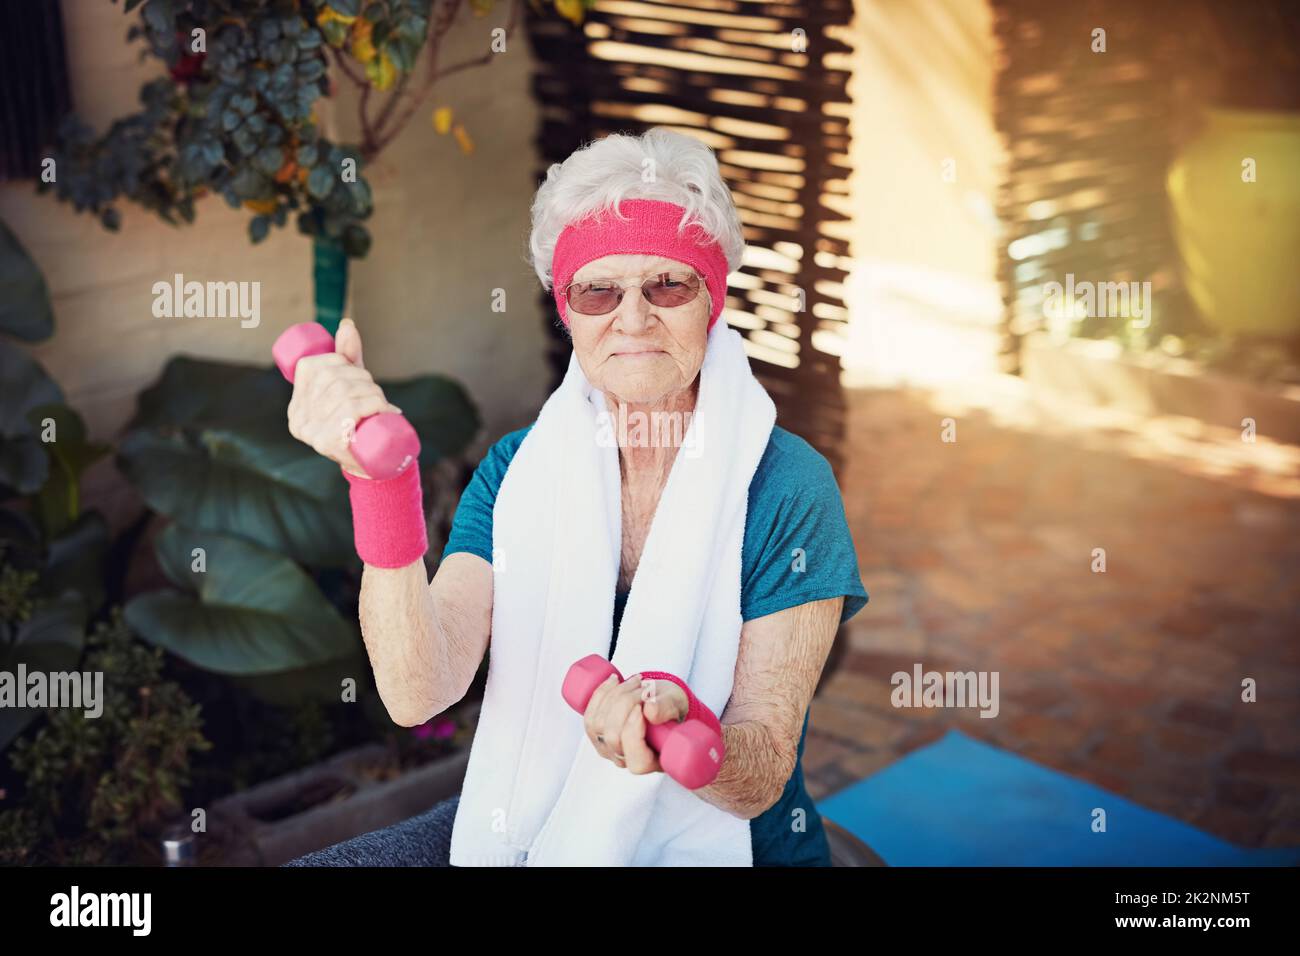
x: 384, y: 445
x: 690, y: 752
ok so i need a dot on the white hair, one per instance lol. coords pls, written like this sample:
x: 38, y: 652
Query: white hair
x: 659, y: 164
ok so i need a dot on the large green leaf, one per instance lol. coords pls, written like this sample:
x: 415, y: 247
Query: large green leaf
x: 24, y: 298
x: 24, y: 464
x: 50, y: 640
x: 248, y: 611
x: 195, y: 392
x: 268, y: 488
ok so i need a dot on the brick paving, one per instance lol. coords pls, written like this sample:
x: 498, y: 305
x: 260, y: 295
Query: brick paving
x: 978, y: 556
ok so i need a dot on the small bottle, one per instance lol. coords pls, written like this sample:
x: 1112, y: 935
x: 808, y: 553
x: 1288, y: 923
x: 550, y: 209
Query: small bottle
x: 178, y: 845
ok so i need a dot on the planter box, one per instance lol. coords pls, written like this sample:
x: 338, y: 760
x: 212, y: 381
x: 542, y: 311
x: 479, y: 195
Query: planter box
x: 1100, y: 373
x: 335, y: 800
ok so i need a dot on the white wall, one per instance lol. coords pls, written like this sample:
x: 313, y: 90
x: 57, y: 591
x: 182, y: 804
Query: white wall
x: 447, y: 228
x: 923, y: 298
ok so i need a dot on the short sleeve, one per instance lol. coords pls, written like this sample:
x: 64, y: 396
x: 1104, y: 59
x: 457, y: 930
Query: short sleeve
x: 471, y: 525
x: 798, y: 547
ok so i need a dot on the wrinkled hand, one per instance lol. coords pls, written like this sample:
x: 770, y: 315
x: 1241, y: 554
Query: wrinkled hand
x: 332, y: 393
x: 617, y: 715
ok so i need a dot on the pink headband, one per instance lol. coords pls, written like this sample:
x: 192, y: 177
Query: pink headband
x: 650, y: 229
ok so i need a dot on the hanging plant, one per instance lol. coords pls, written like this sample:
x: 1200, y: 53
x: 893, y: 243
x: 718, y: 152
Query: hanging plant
x: 236, y: 113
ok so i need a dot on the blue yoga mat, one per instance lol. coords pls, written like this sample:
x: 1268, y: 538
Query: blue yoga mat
x: 961, y: 802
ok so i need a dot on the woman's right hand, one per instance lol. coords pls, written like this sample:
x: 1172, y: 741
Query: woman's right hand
x: 332, y: 393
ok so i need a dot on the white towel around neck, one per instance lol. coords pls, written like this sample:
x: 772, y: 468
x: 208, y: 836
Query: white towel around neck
x: 536, y: 793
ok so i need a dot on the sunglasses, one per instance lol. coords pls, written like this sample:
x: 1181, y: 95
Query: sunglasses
x: 667, y: 290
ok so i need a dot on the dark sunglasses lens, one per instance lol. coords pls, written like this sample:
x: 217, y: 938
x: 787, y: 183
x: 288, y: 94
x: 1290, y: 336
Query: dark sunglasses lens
x: 670, y: 291
x: 594, y: 299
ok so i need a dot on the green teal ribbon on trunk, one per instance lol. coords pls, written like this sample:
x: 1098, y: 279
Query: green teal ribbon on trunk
x: 330, y: 281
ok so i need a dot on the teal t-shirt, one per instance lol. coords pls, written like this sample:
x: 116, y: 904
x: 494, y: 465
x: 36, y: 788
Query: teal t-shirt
x: 797, y: 548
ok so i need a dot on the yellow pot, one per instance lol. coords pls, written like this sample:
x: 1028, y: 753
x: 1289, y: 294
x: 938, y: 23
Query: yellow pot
x: 1240, y: 240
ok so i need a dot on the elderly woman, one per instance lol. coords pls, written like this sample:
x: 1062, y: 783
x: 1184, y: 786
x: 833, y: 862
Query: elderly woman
x: 653, y: 514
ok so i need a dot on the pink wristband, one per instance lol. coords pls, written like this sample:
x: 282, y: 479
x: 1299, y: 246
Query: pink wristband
x: 388, y: 518
x: 697, y: 710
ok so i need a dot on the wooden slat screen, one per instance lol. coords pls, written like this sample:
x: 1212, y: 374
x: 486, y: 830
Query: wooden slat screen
x: 34, y: 81
x: 1089, y: 138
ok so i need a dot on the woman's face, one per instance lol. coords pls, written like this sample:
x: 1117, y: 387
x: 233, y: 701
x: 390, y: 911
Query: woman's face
x: 640, y: 353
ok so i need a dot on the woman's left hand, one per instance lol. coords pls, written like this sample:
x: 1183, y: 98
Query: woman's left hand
x: 616, y: 718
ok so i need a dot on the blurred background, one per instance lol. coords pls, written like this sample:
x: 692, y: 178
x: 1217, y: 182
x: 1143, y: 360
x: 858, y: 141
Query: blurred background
x: 1024, y: 273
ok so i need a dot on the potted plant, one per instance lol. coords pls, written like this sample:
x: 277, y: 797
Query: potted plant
x: 1233, y: 189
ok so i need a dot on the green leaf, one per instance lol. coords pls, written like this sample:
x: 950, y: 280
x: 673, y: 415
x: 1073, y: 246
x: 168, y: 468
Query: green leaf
x: 50, y: 640
x: 24, y: 298
x: 356, y: 241
x: 269, y: 160
x: 360, y: 198
x: 414, y: 27
x: 321, y: 181
x: 248, y: 611
x: 312, y: 70
x: 246, y: 143
x: 24, y: 465
x: 403, y: 53
x: 212, y: 152
x: 349, y: 8
x: 263, y: 486
x: 197, y: 392
x: 335, y: 32
x: 160, y: 16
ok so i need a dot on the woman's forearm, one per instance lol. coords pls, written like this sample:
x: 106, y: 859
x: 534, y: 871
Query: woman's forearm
x: 406, y: 647
x: 423, y: 643
x: 754, y: 772
x: 777, y: 668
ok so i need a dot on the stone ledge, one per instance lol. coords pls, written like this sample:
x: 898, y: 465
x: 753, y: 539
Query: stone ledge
x: 1100, y: 373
